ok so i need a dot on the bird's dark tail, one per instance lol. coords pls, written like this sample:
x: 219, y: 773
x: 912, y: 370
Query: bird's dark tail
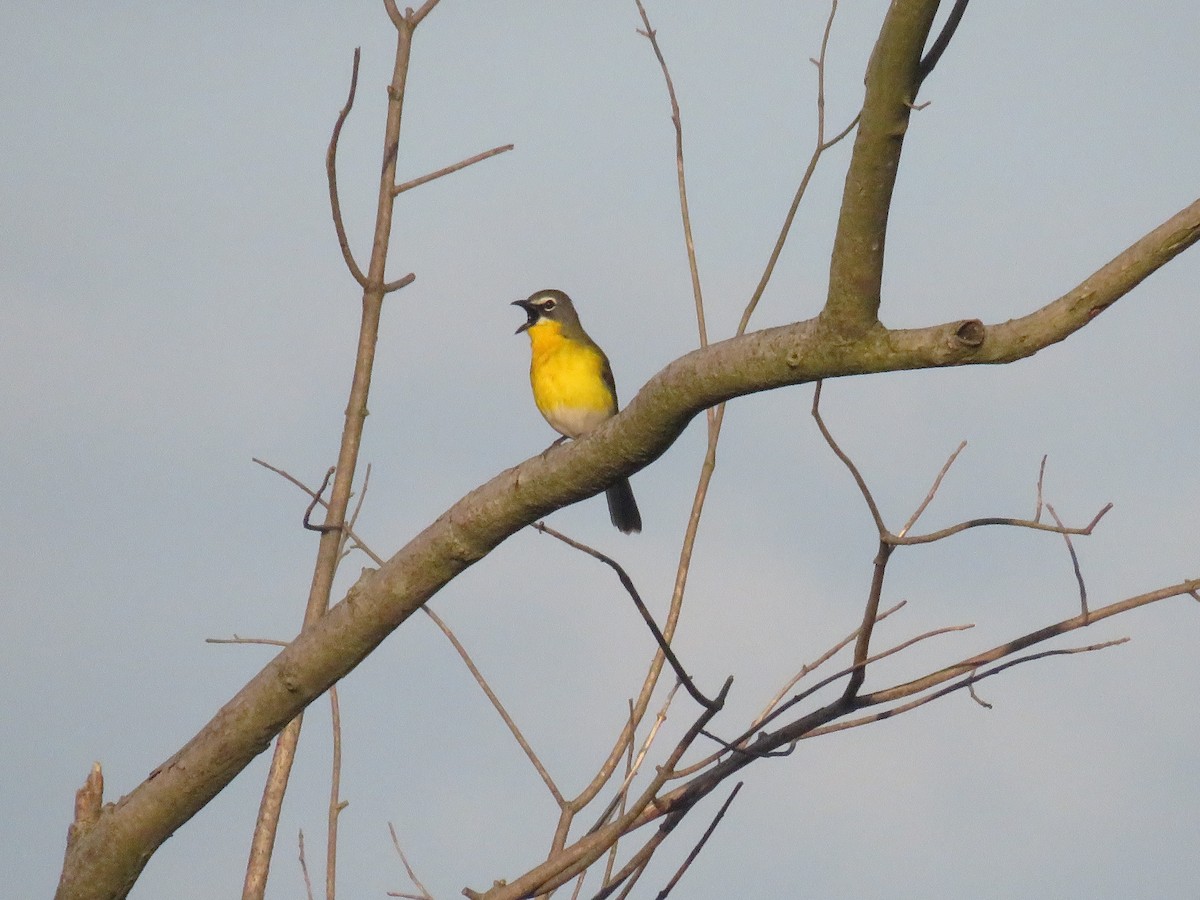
x: 622, y: 508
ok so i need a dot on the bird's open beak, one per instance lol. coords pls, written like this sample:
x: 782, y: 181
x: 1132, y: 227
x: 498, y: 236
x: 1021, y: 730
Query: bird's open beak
x: 530, y: 311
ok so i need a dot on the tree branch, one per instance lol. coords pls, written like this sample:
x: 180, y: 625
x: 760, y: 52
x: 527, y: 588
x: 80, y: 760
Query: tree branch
x: 472, y: 527
x: 893, y: 75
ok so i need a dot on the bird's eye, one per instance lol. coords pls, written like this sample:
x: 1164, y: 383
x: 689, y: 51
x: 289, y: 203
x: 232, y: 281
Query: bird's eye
x: 548, y: 304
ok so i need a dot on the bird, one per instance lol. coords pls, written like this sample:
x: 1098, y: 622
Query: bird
x: 573, y: 385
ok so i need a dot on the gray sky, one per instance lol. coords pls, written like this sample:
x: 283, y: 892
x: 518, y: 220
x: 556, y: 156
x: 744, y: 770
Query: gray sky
x: 172, y: 303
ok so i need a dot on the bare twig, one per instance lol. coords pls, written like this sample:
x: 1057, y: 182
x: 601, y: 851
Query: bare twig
x: 412, y: 876
x: 274, y: 642
x: 631, y: 589
x: 331, y: 176
x: 662, y: 895
x: 942, y: 41
x: 304, y: 868
x: 336, y: 804
x: 975, y: 696
x: 824, y: 720
x: 967, y: 682
x: 937, y: 483
x: 814, y: 159
x: 650, y: 34
x: 1037, y: 513
x: 462, y: 164
x: 570, y: 861
x: 619, y: 800
x: 738, y: 744
x: 815, y: 664
x: 846, y: 461
x: 1066, y: 533
x: 405, y: 281
x: 1000, y: 520
x: 497, y: 705
x: 348, y: 530
x: 313, y: 505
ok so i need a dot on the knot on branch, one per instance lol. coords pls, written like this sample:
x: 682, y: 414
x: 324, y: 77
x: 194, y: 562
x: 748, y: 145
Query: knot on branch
x: 970, y: 333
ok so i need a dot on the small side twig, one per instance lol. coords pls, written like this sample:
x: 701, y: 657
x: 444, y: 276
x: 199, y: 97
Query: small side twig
x: 304, y: 868
x: 937, y: 483
x: 412, y: 876
x: 1037, y: 512
x: 447, y: 170
x: 975, y: 696
x: 942, y: 42
x: 651, y: 35
x: 273, y: 642
x: 1074, y: 559
x: 331, y: 176
x: 313, y: 505
x: 405, y: 281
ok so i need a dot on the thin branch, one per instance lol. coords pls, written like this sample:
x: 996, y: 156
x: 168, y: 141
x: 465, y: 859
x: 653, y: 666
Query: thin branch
x: 662, y: 895
x: 1027, y: 640
x: 497, y: 705
x: 426, y: 8
x: 815, y: 664
x: 821, y: 146
x: 313, y: 505
x: 470, y: 161
x: 1000, y: 520
x: 619, y: 799
x: 632, y: 881
x: 631, y: 589
x: 274, y: 642
x: 975, y: 696
x: 335, y: 203
x: 967, y: 682
x: 353, y: 520
x: 439, y: 622
x: 412, y: 876
x: 942, y: 42
x: 304, y: 869
x: 687, y: 795
x: 846, y: 461
x: 328, y: 550
x: 1074, y: 559
x: 1037, y: 513
x: 583, y: 853
x: 636, y: 864
x: 738, y: 743
x: 937, y: 483
x: 650, y: 34
x: 336, y: 804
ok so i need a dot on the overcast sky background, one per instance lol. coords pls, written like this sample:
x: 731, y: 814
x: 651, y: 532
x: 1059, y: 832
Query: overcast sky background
x: 173, y: 303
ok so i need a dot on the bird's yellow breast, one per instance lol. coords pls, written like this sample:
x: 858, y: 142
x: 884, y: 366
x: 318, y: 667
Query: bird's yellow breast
x: 570, y: 380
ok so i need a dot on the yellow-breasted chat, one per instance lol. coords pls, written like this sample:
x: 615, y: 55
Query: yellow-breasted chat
x: 573, y: 384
